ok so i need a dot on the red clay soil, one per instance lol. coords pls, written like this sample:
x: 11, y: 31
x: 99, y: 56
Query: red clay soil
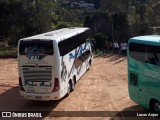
x: 103, y: 90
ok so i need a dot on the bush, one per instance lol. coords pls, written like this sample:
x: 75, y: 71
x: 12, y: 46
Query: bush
x: 100, y: 40
x: 61, y: 25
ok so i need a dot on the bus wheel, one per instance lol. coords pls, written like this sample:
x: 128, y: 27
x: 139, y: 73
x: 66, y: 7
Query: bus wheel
x: 69, y: 88
x: 89, y: 64
x: 72, y: 85
x: 155, y: 106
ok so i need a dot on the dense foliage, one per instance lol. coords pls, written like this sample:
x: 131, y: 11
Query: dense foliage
x: 116, y: 19
x: 100, y: 40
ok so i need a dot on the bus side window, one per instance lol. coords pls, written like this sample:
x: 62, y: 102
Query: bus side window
x: 146, y: 54
x: 153, y: 55
x: 134, y: 80
x: 153, y: 59
x: 137, y: 51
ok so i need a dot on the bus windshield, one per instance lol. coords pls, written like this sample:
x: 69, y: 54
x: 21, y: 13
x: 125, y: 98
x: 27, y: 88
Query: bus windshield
x: 36, y: 47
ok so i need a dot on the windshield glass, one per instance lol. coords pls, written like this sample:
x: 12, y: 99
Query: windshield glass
x: 36, y: 47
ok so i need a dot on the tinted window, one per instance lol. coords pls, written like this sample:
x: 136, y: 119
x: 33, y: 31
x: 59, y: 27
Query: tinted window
x: 71, y: 43
x: 36, y: 47
x: 145, y: 53
x: 137, y: 51
x: 133, y: 79
x: 153, y: 55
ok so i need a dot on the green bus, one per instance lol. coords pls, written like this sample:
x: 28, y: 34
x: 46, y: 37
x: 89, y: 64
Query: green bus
x: 144, y: 71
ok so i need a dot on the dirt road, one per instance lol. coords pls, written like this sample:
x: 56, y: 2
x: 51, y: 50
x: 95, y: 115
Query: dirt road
x: 103, y: 90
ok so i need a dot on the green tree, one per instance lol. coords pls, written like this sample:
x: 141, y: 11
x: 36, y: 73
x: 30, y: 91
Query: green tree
x: 11, y: 20
x: 62, y: 25
x: 100, y: 40
x: 21, y: 18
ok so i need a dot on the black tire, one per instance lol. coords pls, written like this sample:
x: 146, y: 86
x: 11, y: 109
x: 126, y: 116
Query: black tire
x: 155, y: 107
x: 89, y: 64
x: 69, y: 88
x: 72, y: 83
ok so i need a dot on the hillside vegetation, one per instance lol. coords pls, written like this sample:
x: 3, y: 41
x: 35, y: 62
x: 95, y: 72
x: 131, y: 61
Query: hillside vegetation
x: 119, y: 18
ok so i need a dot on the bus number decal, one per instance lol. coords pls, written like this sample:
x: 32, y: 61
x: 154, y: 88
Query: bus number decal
x: 153, y: 74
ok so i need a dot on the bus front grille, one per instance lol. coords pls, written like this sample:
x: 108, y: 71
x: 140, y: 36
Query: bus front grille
x: 37, y: 74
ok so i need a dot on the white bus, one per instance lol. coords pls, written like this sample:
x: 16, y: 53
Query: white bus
x: 51, y: 63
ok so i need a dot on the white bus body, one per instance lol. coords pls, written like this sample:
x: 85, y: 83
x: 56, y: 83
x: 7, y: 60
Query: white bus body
x: 51, y: 63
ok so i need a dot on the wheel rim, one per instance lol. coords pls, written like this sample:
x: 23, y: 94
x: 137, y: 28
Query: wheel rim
x: 73, y: 85
x: 157, y: 107
x: 69, y: 88
x: 89, y: 64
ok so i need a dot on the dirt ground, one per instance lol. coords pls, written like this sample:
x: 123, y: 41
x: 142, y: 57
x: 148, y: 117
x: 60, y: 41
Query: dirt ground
x: 102, y: 93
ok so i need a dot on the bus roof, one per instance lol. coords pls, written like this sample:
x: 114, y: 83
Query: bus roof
x: 58, y: 35
x: 148, y: 38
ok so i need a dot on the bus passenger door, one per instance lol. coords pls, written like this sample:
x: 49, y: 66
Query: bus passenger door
x: 142, y: 86
x: 133, y: 86
x: 138, y: 88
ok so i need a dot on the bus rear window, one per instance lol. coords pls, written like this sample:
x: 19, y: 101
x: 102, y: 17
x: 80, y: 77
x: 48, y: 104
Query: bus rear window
x: 36, y: 47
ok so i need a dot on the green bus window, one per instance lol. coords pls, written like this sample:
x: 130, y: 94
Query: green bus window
x: 137, y: 51
x: 133, y: 79
x: 154, y: 55
x: 145, y: 53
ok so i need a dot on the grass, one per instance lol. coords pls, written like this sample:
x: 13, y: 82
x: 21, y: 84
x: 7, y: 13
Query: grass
x: 8, y: 51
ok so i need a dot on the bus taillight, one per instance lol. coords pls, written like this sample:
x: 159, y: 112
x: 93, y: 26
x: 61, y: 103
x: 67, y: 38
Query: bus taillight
x: 20, y: 84
x: 56, y: 85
